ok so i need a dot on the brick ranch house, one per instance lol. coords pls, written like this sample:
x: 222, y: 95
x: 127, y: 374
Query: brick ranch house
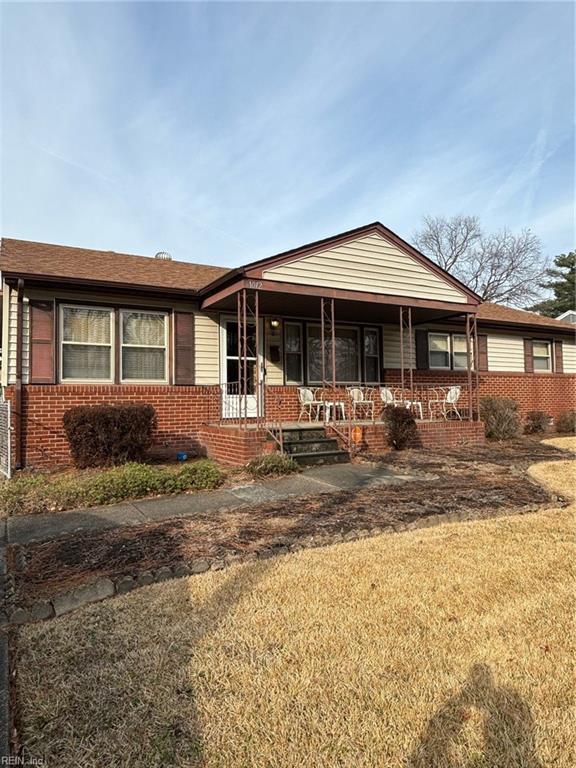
x: 222, y: 354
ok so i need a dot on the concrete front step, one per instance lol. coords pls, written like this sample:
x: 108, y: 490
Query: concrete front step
x: 310, y: 445
x: 319, y: 445
x: 321, y: 457
x: 295, y: 434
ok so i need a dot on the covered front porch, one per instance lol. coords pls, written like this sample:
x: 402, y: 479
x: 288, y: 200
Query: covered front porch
x: 302, y: 357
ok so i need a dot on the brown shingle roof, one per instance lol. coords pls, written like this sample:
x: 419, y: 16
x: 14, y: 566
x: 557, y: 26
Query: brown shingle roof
x: 498, y: 313
x: 44, y: 260
x: 22, y: 257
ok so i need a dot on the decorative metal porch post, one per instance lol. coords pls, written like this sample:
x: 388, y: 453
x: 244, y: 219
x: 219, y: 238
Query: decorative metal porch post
x: 469, y: 368
x: 327, y: 328
x: 474, y: 331
x: 406, y: 325
x: 248, y: 314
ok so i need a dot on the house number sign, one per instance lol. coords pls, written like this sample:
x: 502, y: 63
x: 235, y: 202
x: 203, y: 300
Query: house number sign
x: 255, y: 284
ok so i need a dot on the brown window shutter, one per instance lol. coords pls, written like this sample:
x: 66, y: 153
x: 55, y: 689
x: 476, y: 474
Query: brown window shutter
x: 558, y: 357
x: 482, y: 352
x: 422, y: 350
x: 183, y: 348
x: 42, y: 343
x: 528, y: 356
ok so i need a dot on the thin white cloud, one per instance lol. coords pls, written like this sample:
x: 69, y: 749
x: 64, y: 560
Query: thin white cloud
x: 225, y: 133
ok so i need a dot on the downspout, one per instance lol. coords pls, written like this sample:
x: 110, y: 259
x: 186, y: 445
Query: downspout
x: 18, y: 387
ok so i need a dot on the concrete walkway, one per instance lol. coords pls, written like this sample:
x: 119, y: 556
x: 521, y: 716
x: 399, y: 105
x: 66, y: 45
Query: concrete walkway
x: 324, y: 479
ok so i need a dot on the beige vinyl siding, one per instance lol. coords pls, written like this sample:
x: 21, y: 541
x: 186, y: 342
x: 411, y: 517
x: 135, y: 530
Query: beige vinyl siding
x: 370, y: 264
x: 206, y: 353
x: 11, y: 337
x: 5, y: 333
x: 391, y: 343
x: 505, y: 352
x: 207, y: 348
x: 569, y: 356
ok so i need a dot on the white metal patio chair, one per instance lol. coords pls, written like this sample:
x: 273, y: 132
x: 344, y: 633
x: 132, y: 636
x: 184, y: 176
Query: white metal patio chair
x: 362, y: 402
x: 446, y: 401
x: 309, y: 403
x: 390, y: 397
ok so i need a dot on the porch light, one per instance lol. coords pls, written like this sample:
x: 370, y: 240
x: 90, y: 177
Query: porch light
x: 275, y: 323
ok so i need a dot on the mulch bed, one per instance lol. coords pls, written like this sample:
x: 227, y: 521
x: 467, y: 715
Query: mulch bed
x: 477, y: 481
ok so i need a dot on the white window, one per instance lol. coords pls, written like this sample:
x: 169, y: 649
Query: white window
x: 293, y: 357
x: 144, y: 345
x: 542, y: 353
x: 460, y: 353
x: 439, y: 350
x: 371, y: 355
x: 86, y: 335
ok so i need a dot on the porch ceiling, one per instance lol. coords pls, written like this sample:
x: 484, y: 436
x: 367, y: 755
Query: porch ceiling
x: 293, y: 305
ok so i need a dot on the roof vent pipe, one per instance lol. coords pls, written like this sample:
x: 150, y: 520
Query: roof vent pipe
x: 163, y: 256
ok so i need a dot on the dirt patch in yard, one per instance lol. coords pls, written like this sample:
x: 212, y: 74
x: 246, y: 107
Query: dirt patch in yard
x: 477, y: 483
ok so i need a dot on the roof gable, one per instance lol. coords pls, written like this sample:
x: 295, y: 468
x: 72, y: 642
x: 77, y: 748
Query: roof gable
x: 371, y: 259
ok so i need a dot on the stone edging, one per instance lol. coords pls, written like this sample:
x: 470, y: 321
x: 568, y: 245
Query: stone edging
x: 105, y: 587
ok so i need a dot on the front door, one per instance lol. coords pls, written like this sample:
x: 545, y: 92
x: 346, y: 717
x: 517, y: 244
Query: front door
x: 234, y: 403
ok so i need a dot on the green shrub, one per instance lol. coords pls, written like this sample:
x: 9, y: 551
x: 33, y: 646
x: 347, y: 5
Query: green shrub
x: 107, y: 435
x: 272, y: 464
x: 536, y: 422
x: 33, y: 494
x: 400, y: 427
x: 500, y: 416
x: 200, y: 475
x: 566, y: 422
x: 126, y: 482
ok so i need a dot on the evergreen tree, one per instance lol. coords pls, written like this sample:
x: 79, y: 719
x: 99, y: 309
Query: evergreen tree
x: 561, y: 280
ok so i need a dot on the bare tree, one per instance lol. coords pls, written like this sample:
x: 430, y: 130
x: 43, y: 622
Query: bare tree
x: 502, y: 266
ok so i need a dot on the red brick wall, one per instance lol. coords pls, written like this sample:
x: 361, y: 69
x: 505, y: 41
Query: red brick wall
x: 181, y: 412
x: 450, y: 434
x: 552, y: 393
x: 435, y: 434
x: 234, y: 446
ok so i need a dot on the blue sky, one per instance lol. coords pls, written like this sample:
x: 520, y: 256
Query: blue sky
x: 224, y: 132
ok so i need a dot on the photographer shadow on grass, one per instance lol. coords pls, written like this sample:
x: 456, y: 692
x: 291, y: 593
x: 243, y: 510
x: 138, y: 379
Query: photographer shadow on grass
x: 508, y: 727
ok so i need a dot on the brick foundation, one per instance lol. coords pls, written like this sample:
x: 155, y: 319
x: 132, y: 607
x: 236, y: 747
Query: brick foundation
x: 233, y: 445
x: 180, y: 411
x: 184, y: 413
x: 552, y: 393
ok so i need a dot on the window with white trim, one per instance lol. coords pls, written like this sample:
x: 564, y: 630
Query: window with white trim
x: 542, y: 354
x: 439, y: 350
x: 144, y: 346
x: 460, y: 353
x: 86, y: 335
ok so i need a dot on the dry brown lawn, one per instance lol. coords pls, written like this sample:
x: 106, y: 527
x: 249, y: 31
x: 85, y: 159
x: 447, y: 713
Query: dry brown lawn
x: 564, y: 443
x: 447, y: 647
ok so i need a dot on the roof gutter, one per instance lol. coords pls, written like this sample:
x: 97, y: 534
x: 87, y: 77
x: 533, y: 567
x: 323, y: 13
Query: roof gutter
x: 13, y: 277
x: 236, y: 272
